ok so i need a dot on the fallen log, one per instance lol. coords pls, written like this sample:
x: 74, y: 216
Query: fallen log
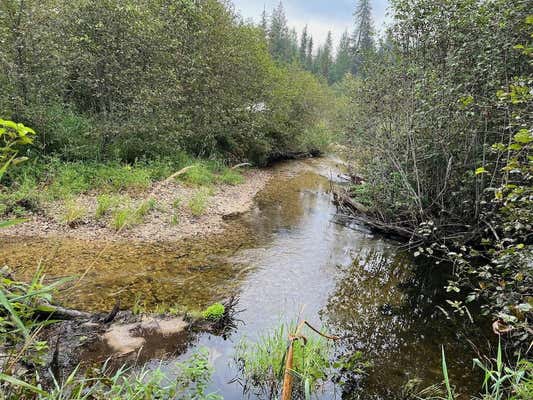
x: 357, y: 212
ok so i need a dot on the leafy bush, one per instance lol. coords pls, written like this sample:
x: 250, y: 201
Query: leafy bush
x: 12, y: 137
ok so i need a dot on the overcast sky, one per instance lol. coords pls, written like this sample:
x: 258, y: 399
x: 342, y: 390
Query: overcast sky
x: 319, y: 15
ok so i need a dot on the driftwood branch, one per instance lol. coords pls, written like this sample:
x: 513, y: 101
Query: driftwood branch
x: 47, y: 310
x: 359, y: 213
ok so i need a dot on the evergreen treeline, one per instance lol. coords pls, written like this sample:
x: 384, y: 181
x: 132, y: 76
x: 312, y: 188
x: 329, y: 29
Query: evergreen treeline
x: 324, y: 61
x: 131, y: 79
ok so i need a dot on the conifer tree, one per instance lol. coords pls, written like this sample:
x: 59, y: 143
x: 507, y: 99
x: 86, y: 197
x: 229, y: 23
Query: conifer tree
x: 363, y: 36
x: 279, y: 34
x: 343, y: 60
x: 303, y: 47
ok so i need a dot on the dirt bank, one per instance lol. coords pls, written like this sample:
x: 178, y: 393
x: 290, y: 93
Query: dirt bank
x: 170, y: 219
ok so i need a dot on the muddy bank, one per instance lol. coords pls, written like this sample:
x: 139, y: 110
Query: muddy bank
x: 170, y: 220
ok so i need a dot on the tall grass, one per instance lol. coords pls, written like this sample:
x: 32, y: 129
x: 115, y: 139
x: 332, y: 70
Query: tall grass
x: 199, y: 201
x: 130, y: 216
x: 261, y: 363
x: 500, y: 381
x: 74, y: 213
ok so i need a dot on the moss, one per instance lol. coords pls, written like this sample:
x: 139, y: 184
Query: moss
x: 214, y: 312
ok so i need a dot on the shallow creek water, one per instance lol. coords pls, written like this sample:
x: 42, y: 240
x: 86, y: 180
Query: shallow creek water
x: 286, y: 255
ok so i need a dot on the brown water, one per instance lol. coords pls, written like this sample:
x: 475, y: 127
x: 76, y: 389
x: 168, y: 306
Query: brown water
x: 286, y: 254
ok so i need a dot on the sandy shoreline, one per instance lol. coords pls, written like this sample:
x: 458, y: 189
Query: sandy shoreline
x: 164, y: 223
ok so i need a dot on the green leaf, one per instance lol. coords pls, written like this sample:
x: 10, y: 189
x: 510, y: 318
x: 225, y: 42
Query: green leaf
x: 17, y: 382
x: 523, y: 136
x: 481, y: 170
x: 7, y: 305
x: 446, y: 377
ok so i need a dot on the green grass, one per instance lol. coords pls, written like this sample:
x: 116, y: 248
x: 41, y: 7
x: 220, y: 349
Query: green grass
x: 128, y: 217
x: 74, y: 213
x: 29, y: 185
x: 106, y: 203
x: 261, y: 363
x: 199, y: 175
x: 198, y: 202
x: 230, y: 177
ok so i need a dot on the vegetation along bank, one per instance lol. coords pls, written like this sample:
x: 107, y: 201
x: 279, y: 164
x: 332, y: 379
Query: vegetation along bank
x: 150, y: 121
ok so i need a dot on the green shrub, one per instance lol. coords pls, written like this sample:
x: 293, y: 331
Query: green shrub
x: 198, y: 203
x: 214, y: 312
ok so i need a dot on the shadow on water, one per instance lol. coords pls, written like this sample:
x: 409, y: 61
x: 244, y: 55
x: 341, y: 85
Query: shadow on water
x: 285, y: 255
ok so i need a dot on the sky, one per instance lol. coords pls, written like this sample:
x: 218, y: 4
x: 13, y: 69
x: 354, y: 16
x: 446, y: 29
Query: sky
x: 319, y: 15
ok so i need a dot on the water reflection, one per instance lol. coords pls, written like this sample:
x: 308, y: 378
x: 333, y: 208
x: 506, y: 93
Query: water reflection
x: 284, y: 256
x: 388, y: 308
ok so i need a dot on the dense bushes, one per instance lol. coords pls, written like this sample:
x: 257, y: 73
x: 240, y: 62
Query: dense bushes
x: 129, y: 79
x: 442, y: 126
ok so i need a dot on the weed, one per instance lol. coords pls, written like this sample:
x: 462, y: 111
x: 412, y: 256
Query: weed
x: 74, y: 213
x: 261, y: 364
x: 190, y: 383
x: 175, y: 220
x: 199, y: 175
x: 130, y: 216
x: 144, y: 208
x: 105, y: 203
x: 214, y: 312
x: 198, y: 203
x: 230, y: 177
x: 122, y: 218
x: 177, y: 203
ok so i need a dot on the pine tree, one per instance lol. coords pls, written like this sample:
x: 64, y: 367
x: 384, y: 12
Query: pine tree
x: 363, y: 37
x: 325, y: 60
x: 343, y: 60
x: 293, y: 52
x: 309, y: 62
x: 303, y: 47
x: 264, y: 22
x: 279, y: 34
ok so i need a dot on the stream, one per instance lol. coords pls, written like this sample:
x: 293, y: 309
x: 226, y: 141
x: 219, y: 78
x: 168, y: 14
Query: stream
x: 285, y: 258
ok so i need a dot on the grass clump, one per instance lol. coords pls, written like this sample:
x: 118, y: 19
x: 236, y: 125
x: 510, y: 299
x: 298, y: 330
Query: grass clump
x: 105, y: 203
x: 127, y: 217
x: 230, y: 177
x: 198, y: 203
x: 261, y: 364
x: 74, y: 213
x: 214, y: 312
x: 199, y: 175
